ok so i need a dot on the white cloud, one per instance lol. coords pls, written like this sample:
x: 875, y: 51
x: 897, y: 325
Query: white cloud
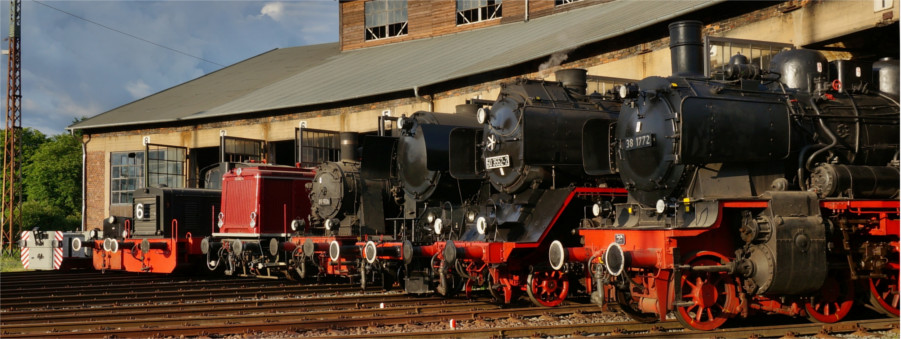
x: 138, y: 89
x: 74, y: 68
x: 274, y: 10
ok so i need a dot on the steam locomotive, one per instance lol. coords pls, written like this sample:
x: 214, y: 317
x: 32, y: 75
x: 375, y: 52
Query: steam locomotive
x: 750, y: 191
x: 709, y: 196
x: 529, y: 151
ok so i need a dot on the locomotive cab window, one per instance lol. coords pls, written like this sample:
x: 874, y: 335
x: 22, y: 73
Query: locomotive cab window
x: 385, y: 19
x: 470, y: 11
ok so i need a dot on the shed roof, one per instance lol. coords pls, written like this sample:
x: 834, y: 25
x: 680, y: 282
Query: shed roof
x: 320, y: 74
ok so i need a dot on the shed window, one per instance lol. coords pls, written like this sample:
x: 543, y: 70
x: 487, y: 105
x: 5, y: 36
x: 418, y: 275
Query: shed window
x: 166, y: 166
x: 469, y: 11
x: 126, y: 174
x: 564, y: 2
x: 385, y: 19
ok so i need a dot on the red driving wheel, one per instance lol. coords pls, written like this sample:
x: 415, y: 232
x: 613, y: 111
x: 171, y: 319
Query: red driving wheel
x: 713, y: 295
x: 834, y: 301
x: 884, y: 294
x: 547, y: 288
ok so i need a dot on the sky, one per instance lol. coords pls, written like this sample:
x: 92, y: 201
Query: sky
x: 72, y: 67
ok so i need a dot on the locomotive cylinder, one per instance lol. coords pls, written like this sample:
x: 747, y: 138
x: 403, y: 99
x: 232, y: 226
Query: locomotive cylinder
x: 686, y: 48
x: 859, y: 182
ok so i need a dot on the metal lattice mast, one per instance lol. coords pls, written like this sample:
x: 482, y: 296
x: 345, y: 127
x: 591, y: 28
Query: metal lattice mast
x: 12, y: 159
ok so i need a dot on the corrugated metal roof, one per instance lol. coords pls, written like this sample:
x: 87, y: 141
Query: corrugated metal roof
x: 216, y: 88
x: 403, y: 66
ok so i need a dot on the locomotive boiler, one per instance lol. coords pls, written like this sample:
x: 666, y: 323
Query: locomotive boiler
x: 776, y: 189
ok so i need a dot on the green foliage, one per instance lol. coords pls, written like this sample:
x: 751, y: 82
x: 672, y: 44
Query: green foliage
x: 52, y: 175
x: 38, y: 214
x: 51, y: 181
x: 10, y: 262
x: 30, y: 139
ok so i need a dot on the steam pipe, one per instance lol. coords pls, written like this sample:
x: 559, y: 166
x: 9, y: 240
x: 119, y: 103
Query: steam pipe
x: 828, y: 131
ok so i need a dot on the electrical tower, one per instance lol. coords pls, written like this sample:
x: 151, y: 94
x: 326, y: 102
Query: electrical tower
x: 12, y: 157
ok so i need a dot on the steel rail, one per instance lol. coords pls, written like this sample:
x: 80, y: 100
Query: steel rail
x: 229, y: 307
x: 169, y: 296
x: 146, y: 286
x: 189, y: 327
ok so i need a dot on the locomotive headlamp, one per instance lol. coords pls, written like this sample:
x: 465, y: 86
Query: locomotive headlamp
x: 296, y: 224
x: 221, y: 220
x: 471, y: 216
x: 482, y: 115
x: 401, y: 121
x: 253, y: 219
x: 481, y: 225
x: 111, y: 219
x: 596, y: 209
x: 623, y: 91
x: 139, y: 211
x: 430, y: 218
x: 95, y: 233
x: 661, y: 206
x: 628, y: 91
x: 332, y: 224
x: 438, y: 225
x: 125, y: 233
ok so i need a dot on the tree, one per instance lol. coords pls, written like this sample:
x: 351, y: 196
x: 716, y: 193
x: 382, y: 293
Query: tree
x: 52, y: 175
x: 31, y: 139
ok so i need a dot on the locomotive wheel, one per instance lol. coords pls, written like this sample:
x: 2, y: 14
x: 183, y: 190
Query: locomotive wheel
x: 387, y: 279
x: 833, y: 302
x: 502, y: 293
x: 448, y: 282
x: 363, y: 276
x: 467, y: 288
x: 628, y: 305
x: 884, y: 294
x: 713, y: 295
x: 547, y: 289
x: 301, y: 268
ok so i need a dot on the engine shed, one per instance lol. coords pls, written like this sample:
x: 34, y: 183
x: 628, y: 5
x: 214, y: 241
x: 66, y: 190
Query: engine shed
x: 432, y: 56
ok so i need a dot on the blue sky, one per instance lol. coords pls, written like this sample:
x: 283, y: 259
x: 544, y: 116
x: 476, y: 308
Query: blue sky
x: 74, y: 68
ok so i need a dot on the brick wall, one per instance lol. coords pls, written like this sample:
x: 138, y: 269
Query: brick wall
x: 95, y: 189
x: 430, y: 18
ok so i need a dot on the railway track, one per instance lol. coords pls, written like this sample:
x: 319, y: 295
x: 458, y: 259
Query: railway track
x: 220, y: 307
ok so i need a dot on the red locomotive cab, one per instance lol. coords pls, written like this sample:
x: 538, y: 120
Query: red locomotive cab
x: 261, y: 201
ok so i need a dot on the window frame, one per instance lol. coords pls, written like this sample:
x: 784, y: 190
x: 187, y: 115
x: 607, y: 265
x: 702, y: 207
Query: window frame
x: 492, y: 10
x: 116, y: 190
x: 377, y: 31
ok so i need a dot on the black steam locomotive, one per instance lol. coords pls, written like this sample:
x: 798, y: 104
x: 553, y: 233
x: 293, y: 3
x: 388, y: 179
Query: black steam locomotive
x: 751, y: 190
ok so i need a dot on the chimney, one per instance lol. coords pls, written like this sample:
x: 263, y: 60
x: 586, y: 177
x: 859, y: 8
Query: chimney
x: 686, y: 48
x: 573, y: 79
x: 349, y: 143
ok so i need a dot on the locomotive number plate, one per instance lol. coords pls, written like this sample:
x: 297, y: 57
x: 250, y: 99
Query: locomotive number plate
x: 497, y: 162
x: 638, y: 141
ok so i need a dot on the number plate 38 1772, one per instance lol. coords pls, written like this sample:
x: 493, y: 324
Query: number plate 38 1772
x: 638, y: 141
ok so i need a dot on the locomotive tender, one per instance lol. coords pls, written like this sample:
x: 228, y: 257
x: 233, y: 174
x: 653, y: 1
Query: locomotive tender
x: 758, y: 191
